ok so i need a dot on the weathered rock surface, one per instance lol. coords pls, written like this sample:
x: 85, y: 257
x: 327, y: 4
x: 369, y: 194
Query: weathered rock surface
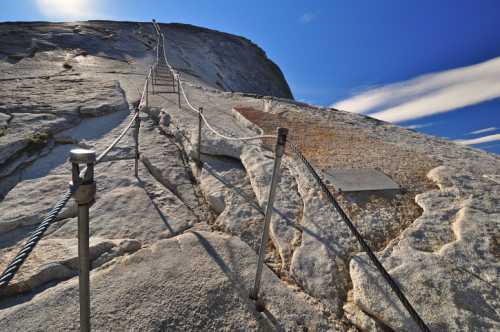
x: 229, y: 193
x: 319, y: 264
x: 42, y: 108
x: 288, y: 204
x: 168, y: 164
x: 455, y: 242
x: 223, y: 61
x: 196, y: 281
x: 57, y: 259
x: 435, y: 258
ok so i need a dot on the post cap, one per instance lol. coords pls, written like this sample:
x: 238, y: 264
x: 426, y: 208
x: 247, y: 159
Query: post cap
x: 82, y: 156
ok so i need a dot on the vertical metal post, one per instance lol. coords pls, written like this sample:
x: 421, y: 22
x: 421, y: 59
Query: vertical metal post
x: 156, y: 72
x: 179, y: 90
x: 280, y: 149
x: 84, y: 266
x: 157, y: 51
x: 136, y: 140
x: 200, y: 124
x: 147, y: 93
x: 84, y: 197
x: 151, y: 74
x: 153, y: 80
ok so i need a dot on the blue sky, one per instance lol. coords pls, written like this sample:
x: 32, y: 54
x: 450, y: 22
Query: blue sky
x: 428, y: 65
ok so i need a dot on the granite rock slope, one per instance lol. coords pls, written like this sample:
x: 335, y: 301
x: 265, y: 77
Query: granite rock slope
x: 176, y: 247
x: 55, y: 74
x: 204, y: 292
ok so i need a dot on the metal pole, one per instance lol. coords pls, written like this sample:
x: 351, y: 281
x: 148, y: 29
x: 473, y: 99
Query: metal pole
x: 136, y: 139
x: 84, y: 264
x: 179, y: 90
x: 84, y: 197
x: 156, y: 72
x: 200, y: 124
x: 151, y: 74
x: 157, y: 50
x: 280, y: 149
x: 154, y: 23
x: 147, y: 91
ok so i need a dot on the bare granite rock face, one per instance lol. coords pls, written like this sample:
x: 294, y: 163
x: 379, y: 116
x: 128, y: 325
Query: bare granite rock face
x: 57, y: 259
x: 455, y: 242
x: 229, y: 193
x: 446, y: 260
x: 41, y: 108
x: 157, y: 288
x: 176, y: 247
x: 288, y: 204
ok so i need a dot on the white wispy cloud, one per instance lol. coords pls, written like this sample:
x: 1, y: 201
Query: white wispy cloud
x: 307, y: 18
x: 68, y: 9
x: 482, y: 131
x: 479, y: 140
x: 422, y: 125
x: 429, y: 94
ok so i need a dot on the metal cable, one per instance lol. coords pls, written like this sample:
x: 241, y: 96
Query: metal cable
x: 112, y: 145
x: 209, y: 126
x: 144, y: 89
x: 392, y: 283
x: 36, y: 235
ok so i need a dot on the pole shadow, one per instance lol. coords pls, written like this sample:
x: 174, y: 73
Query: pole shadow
x: 238, y: 283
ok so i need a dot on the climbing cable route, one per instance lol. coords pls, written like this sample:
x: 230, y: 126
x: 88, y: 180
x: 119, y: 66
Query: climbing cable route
x: 387, y: 277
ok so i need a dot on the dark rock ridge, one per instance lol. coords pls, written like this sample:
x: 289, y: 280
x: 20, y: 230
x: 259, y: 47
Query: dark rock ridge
x: 231, y: 62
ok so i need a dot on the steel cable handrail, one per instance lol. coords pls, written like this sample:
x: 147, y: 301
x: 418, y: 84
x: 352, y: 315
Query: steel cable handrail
x: 191, y: 107
x: 11, y: 269
x: 145, y: 87
x: 112, y: 145
x: 387, y: 277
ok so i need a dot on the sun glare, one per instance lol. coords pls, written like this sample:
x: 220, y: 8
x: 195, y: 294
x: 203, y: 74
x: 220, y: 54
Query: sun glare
x: 67, y: 9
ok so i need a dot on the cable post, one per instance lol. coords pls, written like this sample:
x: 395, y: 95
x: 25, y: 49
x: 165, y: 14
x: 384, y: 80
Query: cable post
x: 156, y: 72
x: 151, y: 73
x: 173, y: 81
x: 179, y: 90
x: 200, y: 124
x: 279, y: 151
x: 84, y: 197
x: 147, y: 90
x: 136, y: 141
